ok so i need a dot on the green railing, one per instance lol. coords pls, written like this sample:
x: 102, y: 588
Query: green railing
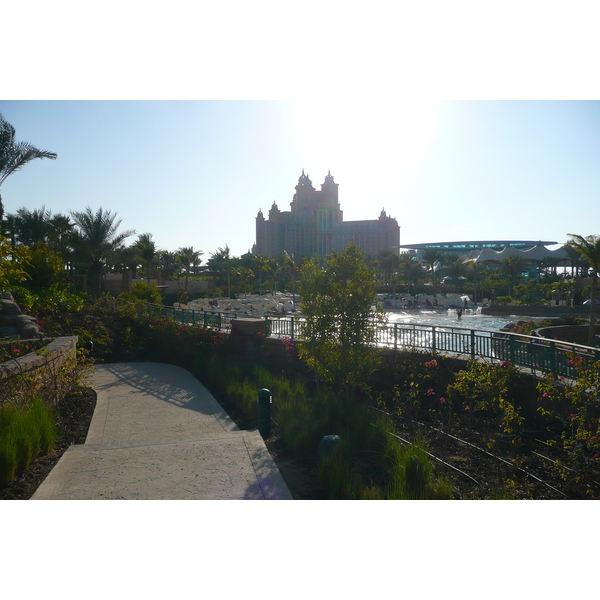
x: 213, y: 319
x: 535, y: 353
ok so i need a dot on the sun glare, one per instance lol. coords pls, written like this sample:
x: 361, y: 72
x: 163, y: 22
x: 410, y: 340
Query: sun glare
x: 372, y: 147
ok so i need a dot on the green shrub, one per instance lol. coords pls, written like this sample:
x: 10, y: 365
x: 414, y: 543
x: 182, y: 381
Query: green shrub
x: 25, y: 432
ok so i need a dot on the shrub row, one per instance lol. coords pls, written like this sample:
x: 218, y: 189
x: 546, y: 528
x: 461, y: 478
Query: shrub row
x: 25, y: 432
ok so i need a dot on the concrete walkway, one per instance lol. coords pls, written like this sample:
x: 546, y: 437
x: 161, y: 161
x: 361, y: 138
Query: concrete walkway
x: 158, y: 434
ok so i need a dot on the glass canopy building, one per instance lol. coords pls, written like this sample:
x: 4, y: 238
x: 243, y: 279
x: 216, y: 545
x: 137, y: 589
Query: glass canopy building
x: 468, y: 247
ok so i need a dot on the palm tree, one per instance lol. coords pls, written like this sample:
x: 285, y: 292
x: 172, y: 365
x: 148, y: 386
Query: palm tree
x: 263, y: 265
x: 14, y: 155
x: 455, y: 267
x: 289, y: 263
x: 219, y: 262
x: 476, y: 273
x: 575, y: 259
x: 95, y: 241
x: 147, y: 251
x: 189, y: 258
x: 589, y: 248
x: 167, y: 263
x: 411, y: 269
x: 431, y: 256
x: 513, y: 266
x: 388, y: 261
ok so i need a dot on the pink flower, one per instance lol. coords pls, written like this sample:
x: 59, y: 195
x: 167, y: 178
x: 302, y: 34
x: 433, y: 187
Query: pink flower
x: 431, y: 363
x: 544, y: 395
x: 16, y: 351
x: 442, y: 399
x: 430, y: 392
x: 505, y: 364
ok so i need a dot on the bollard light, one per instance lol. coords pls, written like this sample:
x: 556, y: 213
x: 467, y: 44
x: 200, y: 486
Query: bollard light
x: 265, y: 402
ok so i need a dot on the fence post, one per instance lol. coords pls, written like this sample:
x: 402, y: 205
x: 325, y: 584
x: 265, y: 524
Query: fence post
x: 433, y: 340
x: 292, y: 329
x: 553, y: 357
x: 473, y: 344
x: 395, y: 336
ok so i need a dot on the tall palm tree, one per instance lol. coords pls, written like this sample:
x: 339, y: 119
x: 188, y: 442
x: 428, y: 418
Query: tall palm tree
x: 388, y: 261
x: 431, y: 256
x: 95, y: 241
x: 455, y: 267
x: 190, y: 258
x: 14, y: 155
x: 33, y: 226
x: 589, y: 248
x: 167, y: 263
x: 220, y: 262
x: 513, y: 266
x: 263, y: 265
x: 289, y: 263
x: 411, y: 270
x: 575, y: 258
x: 146, y: 247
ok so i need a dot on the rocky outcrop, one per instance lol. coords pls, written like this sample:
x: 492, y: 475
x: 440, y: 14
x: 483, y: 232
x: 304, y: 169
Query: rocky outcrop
x: 14, y: 323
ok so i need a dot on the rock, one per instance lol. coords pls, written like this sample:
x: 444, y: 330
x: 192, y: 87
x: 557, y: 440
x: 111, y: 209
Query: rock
x: 9, y: 331
x: 29, y: 331
x: 9, y: 307
x: 13, y: 322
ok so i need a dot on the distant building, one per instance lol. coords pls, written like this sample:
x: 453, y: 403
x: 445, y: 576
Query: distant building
x: 315, y: 226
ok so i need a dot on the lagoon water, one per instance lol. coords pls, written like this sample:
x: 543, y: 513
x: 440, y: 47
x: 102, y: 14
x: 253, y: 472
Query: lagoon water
x: 470, y: 319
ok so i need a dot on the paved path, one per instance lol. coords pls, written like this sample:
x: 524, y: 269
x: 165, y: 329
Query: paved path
x: 158, y: 434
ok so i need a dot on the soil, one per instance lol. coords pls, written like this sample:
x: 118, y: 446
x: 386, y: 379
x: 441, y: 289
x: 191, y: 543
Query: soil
x: 483, y: 464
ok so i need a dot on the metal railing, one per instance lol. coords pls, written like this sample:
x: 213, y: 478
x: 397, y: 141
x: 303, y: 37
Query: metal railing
x: 532, y: 352
x: 213, y: 319
x: 535, y: 353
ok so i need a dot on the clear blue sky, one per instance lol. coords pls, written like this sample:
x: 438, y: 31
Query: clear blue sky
x: 195, y: 173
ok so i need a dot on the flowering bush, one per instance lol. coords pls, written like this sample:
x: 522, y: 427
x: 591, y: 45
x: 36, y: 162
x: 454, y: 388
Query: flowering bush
x: 576, y: 405
x: 491, y: 389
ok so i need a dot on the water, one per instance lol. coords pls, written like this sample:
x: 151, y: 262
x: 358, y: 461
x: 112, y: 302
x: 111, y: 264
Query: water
x: 471, y: 319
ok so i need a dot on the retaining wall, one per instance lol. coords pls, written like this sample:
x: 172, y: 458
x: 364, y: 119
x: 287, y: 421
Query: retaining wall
x: 40, y: 367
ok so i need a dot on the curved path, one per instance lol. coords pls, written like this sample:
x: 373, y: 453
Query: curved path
x: 158, y: 434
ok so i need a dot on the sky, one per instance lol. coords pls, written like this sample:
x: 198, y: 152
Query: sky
x: 196, y: 173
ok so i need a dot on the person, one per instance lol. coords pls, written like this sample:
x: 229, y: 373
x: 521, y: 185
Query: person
x: 459, y: 313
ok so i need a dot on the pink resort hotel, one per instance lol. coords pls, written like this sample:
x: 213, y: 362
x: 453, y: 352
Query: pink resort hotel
x: 315, y: 226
